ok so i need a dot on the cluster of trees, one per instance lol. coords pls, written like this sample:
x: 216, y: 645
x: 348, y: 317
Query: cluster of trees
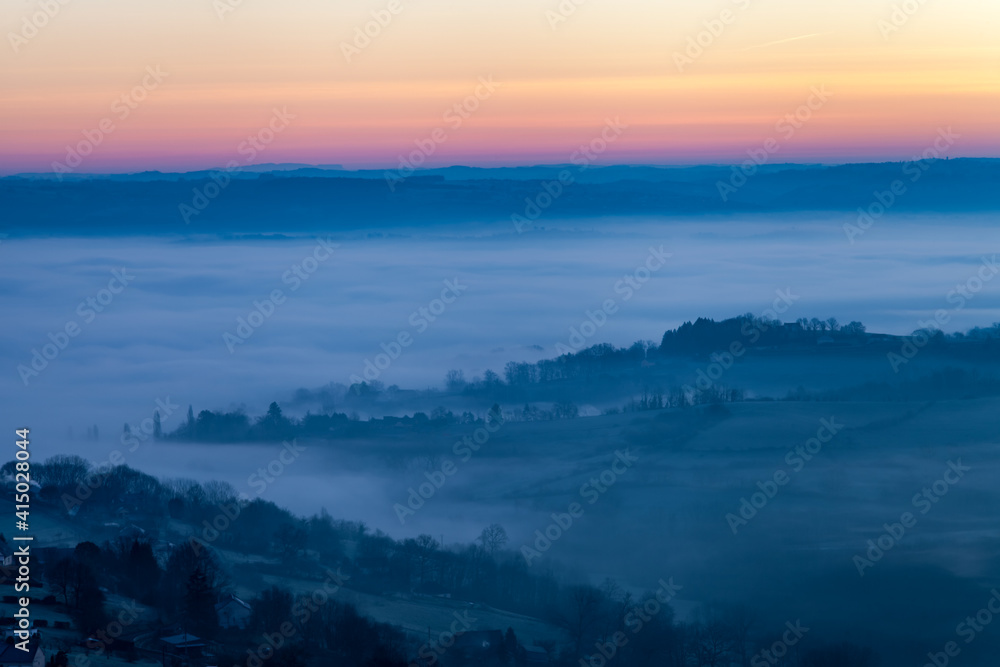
x: 236, y: 426
x: 979, y: 333
x: 641, y: 631
x: 830, y: 324
x: 587, y: 364
x: 704, y: 335
x: 274, y: 426
x: 556, y: 382
x: 605, y: 363
x: 75, y: 580
x: 185, y: 581
x: 680, y: 398
x: 185, y: 593
x: 184, y: 590
x: 698, y: 338
x: 75, y: 485
x: 945, y: 384
x: 560, y: 410
x: 223, y: 518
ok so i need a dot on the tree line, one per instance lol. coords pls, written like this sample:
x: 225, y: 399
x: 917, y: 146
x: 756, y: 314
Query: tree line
x: 185, y: 581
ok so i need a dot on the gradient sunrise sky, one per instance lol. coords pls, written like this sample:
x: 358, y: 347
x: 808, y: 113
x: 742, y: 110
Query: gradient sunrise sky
x: 895, y: 79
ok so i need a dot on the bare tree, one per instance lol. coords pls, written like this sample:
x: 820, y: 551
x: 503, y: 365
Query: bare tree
x: 422, y: 551
x: 219, y: 493
x: 493, y: 538
x: 711, y: 639
x: 62, y: 470
x: 582, y: 615
x: 454, y: 380
x: 854, y: 328
x: 740, y: 619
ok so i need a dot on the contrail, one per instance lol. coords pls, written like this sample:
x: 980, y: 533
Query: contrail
x: 782, y: 41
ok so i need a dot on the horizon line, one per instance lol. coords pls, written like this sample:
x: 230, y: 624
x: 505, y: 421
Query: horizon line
x: 295, y: 166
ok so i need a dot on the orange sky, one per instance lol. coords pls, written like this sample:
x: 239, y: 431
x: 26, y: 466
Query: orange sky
x: 893, y: 80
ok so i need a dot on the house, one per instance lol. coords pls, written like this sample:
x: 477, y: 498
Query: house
x: 233, y: 613
x: 11, y: 656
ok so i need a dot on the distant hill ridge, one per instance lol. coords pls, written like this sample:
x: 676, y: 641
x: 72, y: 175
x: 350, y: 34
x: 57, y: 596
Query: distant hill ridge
x: 309, y: 199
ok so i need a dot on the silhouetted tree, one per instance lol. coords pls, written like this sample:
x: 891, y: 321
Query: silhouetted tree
x: 142, y: 572
x: 274, y: 425
x: 581, y: 616
x: 199, y: 605
x: 186, y: 559
x: 493, y: 538
x: 89, y: 614
x: 270, y: 609
x: 840, y: 655
x: 454, y: 380
x: 853, y: 329
x: 175, y: 507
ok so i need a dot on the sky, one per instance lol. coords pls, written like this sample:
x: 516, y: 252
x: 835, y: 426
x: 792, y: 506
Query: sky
x: 190, y: 84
